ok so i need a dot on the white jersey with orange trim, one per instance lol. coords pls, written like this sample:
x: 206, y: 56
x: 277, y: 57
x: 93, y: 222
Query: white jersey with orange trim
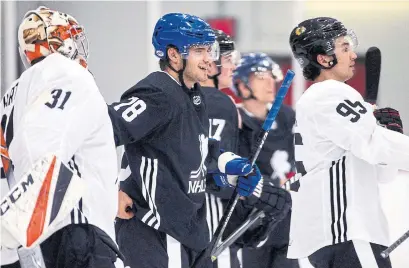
x: 342, y: 153
x: 56, y: 107
x: 8, y: 256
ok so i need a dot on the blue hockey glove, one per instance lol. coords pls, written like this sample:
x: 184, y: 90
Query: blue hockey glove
x: 232, y: 164
x: 247, y: 184
x: 221, y: 180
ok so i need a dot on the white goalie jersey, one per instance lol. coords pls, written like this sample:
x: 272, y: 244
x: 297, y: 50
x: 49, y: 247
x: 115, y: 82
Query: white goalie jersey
x: 55, y: 108
x: 342, y: 153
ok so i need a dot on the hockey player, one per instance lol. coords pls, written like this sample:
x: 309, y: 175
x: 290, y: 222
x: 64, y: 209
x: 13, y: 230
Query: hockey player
x: 337, y: 219
x: 224, y: 126
x: 55, y: 108
x: 255, y: 81
x: 224, y: 119
x: 163, y: 123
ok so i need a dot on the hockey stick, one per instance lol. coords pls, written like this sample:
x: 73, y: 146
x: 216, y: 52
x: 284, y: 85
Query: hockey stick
x: 372, y: 74
x: 396, y: 244
x: 255, y: 152
x: 254, y: 216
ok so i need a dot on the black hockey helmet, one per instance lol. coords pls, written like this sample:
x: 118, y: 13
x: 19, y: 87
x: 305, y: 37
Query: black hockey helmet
x: 227, y: 48
x: 226, y: 44
x: 317, y: 36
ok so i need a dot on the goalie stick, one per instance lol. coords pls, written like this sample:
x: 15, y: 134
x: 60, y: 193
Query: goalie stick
x: 214, y: 243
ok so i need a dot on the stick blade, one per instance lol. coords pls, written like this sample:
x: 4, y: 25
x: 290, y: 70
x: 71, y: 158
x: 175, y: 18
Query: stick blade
x: 372, y: 74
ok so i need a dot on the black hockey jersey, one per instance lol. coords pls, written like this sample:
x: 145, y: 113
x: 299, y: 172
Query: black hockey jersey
x: 165, y: 132
x: 276, y: 158
x: 223, y: 127
x: 223, y: 118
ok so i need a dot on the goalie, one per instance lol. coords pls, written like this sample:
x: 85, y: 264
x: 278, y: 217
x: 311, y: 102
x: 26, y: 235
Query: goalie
x: 57, y: 136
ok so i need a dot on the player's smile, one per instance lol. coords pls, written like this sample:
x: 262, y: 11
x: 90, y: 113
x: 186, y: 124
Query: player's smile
x: 204, y: 68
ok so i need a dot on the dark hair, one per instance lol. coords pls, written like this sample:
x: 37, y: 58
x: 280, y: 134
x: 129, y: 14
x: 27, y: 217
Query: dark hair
x: 311, y: 72
x: 163, y: 63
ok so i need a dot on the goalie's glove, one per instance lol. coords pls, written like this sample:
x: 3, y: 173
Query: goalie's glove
x: 389, y: 118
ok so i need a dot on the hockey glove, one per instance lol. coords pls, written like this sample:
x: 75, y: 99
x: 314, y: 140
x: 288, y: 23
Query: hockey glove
x: 245, y: 184
x: 232, y: 164
x: 274, y: 201
x: 389, y: 118
x: 276, y: 204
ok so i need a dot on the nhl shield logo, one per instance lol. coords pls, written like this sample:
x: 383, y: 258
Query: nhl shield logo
x: 197, y: 100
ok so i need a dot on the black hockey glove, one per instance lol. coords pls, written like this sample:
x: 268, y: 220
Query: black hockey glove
x: 274, y: 201
x: 276, y: 204
x: 389, y: 118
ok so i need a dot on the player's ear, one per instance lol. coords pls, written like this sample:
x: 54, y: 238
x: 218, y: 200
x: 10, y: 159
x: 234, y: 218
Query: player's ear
x: 244, y: 91
x: 324, y: 60
x: 173, y: 56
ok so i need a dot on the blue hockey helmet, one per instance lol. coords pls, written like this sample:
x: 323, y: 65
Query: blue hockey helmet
x: 182, y: 31
x: 257, y: 63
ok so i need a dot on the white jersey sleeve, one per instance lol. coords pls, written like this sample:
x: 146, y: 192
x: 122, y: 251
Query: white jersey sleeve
x: 344, y: 118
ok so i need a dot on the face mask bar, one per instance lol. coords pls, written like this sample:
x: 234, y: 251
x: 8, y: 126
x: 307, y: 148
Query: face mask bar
x: 230, y: 59
x: 268, y: 69
x: 350, y: 37
x: 80, y: 41
x: 212, y: 52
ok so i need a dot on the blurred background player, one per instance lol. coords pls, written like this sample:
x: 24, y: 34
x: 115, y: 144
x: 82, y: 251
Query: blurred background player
x: 221, y: 71
x: 163, y: 123
x: 343, y: 151
x: 255, y: 80
x: 56, y: 108
x: 223, y: 127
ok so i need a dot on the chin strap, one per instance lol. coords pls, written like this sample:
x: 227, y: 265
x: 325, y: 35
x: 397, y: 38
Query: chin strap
x: 180, y: 73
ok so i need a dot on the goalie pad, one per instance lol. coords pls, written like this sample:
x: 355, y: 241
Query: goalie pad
x: 36, y: 206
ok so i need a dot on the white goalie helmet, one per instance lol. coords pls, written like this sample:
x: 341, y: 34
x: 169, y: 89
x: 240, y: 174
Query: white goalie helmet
x: 44, y: 31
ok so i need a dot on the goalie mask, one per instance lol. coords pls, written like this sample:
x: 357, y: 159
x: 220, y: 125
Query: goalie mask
x: 44, y: 31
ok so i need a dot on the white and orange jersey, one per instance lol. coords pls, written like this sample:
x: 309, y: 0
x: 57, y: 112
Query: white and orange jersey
x: 7, y: 256
x: 55, y: 107
x: 342, y: 153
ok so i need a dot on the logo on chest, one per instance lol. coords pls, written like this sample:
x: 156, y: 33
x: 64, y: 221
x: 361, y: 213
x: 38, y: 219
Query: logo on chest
x: 197, y: 186
x: 197, y: 181
x: 197, y: 100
